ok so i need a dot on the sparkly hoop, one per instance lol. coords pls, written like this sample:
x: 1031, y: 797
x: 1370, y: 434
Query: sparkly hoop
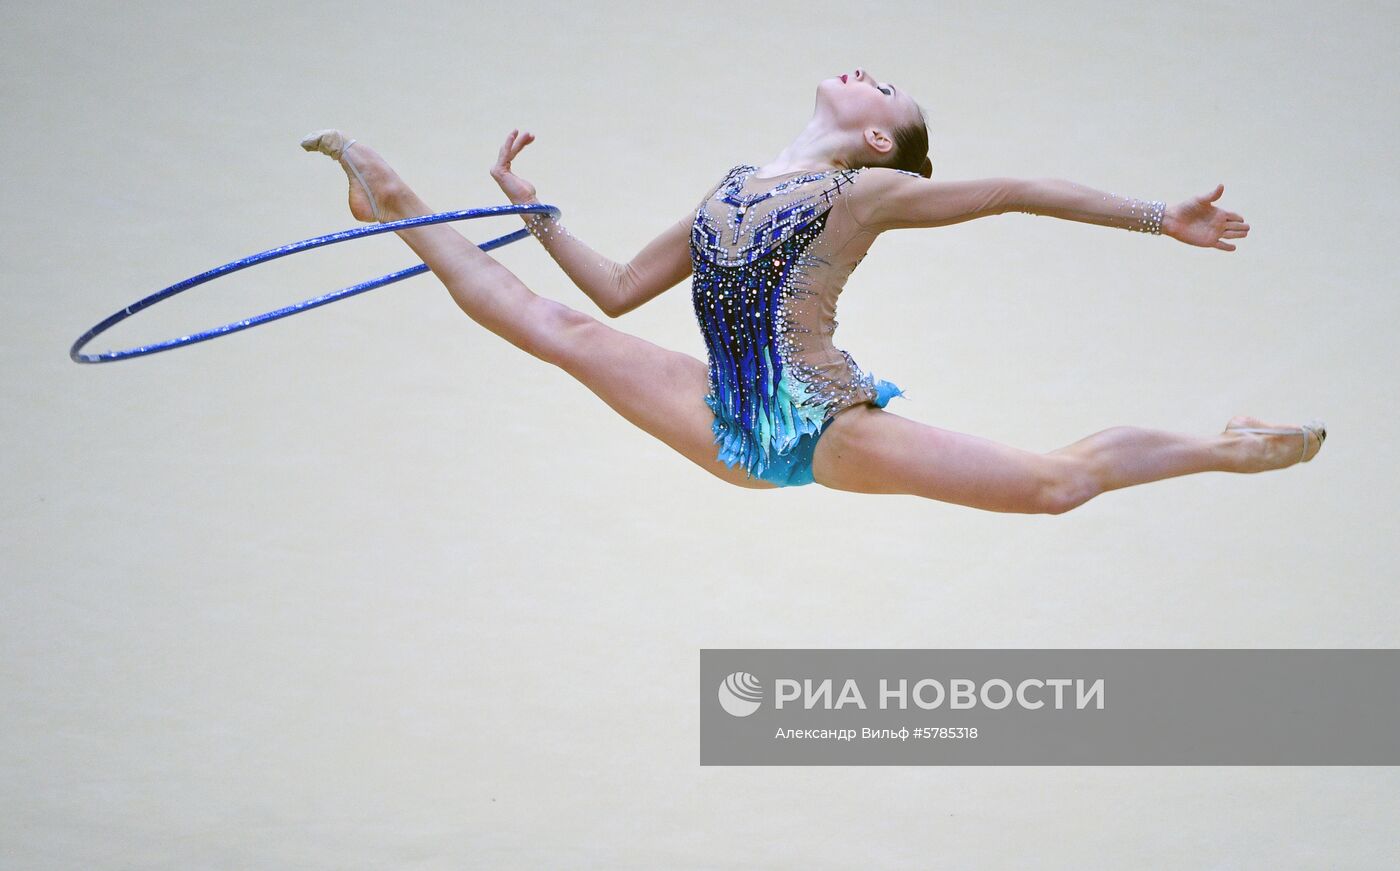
x: 304, y: 305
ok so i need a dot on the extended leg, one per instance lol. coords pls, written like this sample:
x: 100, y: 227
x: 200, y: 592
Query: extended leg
x: 871, y: 450
x: 659, y: 390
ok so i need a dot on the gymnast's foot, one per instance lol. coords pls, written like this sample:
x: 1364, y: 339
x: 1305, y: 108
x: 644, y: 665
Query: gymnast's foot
x: 1288, y: 446
x: 374, y: 186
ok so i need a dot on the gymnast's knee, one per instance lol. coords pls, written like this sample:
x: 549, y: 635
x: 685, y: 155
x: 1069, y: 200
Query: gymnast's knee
x: 560, y: 334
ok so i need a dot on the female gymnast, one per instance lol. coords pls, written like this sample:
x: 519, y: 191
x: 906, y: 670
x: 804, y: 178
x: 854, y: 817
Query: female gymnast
x: 769, y: 249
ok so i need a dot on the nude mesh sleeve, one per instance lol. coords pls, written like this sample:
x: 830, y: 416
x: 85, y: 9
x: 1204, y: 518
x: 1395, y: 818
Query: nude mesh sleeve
x: 1076, y: 202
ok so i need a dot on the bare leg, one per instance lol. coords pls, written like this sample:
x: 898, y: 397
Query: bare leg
x: 659, y: 390
x: 871, y: 450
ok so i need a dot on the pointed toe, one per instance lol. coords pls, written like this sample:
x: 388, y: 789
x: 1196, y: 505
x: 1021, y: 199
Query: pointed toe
x: 330, y: 142
x: 1319, y: 432
x: 1316, y: 428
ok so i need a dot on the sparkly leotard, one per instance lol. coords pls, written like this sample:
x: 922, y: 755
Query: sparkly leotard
x: 770, y: 257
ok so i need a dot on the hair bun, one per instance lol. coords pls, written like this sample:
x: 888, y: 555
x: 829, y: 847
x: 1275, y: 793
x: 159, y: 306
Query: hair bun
x: 927, y: 169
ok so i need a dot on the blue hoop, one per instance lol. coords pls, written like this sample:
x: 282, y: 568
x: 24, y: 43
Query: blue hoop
x: 314, y: 302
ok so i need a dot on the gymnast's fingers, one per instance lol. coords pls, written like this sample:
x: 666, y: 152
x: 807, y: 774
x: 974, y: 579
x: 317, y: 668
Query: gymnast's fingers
x: 503, y: 156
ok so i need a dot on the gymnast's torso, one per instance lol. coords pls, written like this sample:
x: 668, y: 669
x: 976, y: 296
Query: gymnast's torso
x: 770, y: 257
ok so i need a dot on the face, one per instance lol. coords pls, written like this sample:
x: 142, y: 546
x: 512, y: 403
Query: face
x: 858, y: 101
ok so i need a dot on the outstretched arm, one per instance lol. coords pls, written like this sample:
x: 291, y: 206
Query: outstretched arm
x: 890, y: 199
x: 616, y: 288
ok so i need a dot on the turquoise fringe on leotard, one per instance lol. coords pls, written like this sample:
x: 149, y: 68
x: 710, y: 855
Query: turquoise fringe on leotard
x: 779, y: 446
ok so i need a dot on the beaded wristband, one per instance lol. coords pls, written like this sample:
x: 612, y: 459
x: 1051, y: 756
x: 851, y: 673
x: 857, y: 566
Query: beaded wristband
x: 1142, y: 216
x: 1147, y: 216
x: 1153, y: 219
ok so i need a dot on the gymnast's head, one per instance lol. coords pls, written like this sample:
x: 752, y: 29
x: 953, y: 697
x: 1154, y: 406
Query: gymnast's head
x: 873, y: 123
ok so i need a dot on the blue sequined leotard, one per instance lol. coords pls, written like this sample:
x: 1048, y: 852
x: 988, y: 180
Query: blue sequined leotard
x: 770, y: 257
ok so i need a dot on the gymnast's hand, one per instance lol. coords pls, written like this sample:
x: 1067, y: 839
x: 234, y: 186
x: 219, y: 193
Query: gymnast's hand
x: 516, y: 188
x: 1197, y: 222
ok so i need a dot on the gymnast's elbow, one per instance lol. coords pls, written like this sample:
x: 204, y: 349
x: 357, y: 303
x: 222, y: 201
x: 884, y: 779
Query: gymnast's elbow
x: 1025, y: 195
x: 614, y: 296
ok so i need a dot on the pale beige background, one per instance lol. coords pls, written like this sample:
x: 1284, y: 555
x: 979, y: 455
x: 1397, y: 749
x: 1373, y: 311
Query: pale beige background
x: 370, y: 588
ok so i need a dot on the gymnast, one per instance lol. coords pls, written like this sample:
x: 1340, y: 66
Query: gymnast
x: 769, y: 248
